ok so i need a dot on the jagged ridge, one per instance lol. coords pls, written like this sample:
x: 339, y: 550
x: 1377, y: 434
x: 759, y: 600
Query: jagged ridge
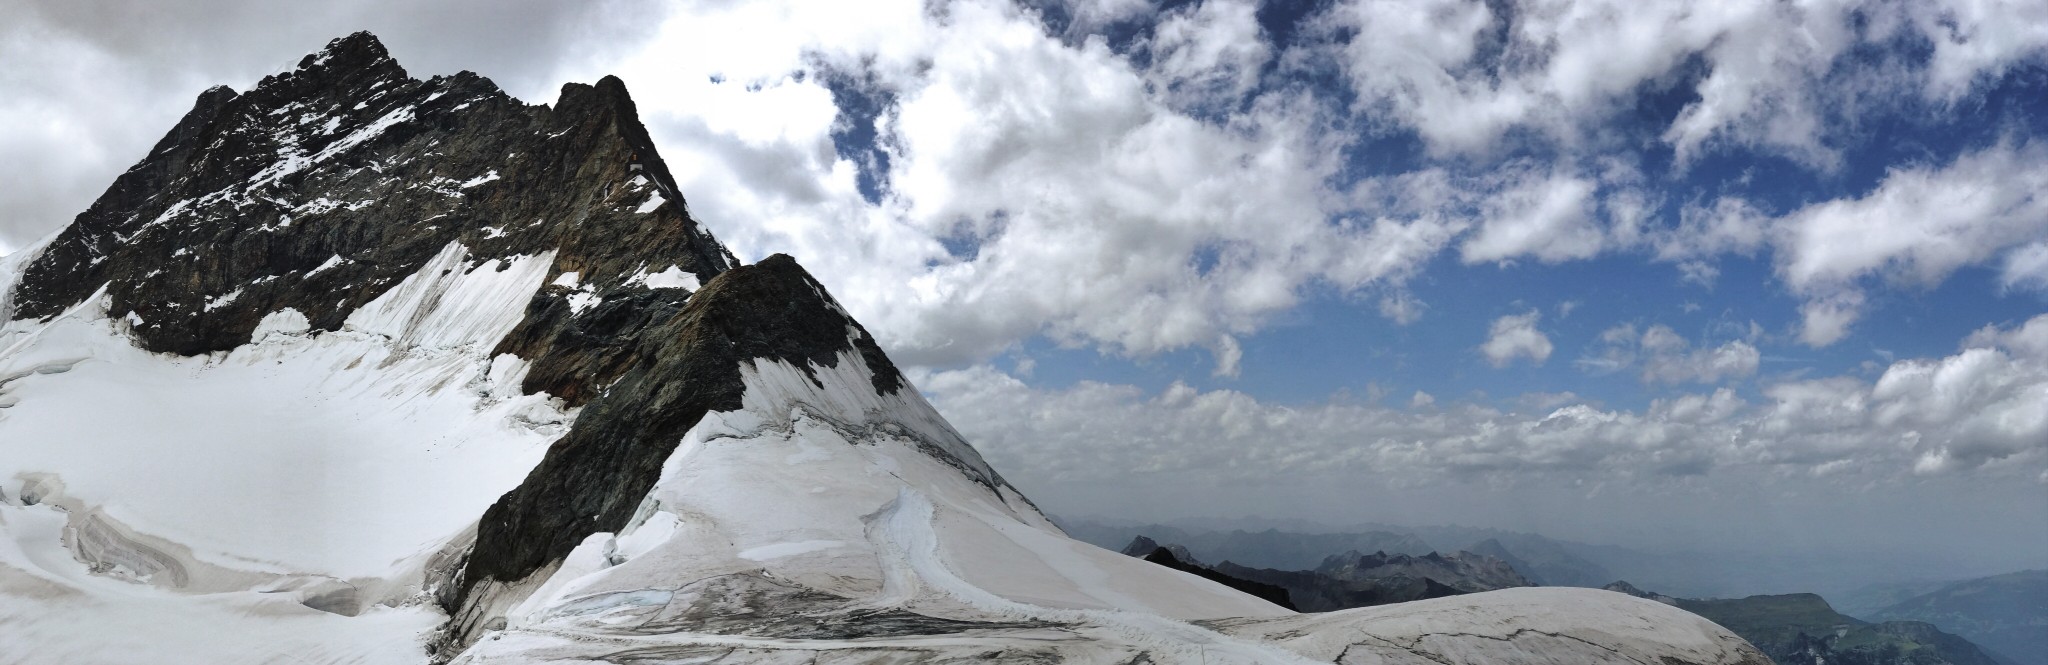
x: 322, y: 187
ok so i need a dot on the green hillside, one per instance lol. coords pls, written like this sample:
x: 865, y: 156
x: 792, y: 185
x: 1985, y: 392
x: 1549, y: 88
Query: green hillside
x: 2007, y: 614
x: 1802, y: 629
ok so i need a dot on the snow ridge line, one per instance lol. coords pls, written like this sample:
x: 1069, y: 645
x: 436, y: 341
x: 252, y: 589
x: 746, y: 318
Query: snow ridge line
x: 907, y: 524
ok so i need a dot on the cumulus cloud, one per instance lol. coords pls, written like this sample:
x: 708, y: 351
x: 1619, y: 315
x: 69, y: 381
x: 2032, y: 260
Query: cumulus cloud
x: 1730, y: 225
x: 1094, y: 205
x: 1704, y: 233
x: 1402, y: 308
x: 2027, y: 340
x: 1465, y: 73
x: 1826, y: 320
x: 1516, y: 336
x: 1920, y: 225
x: 1981, y: 410
x: 1210, y: 53
x: 2026, y: 267
x: 1976, y: 40
x: 1661, y: 355
x: 1547, y: 216
x: 1228, y: 356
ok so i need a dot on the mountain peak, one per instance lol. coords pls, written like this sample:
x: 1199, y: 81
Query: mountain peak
x: 321, y: 188
x: 358, y: 50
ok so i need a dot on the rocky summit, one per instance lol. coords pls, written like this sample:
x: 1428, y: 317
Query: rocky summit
x: 355, y: 367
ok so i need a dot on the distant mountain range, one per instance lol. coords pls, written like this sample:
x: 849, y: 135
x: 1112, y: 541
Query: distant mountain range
x: 1270, y: 548
x: 1999, y: 619
x: 2006, y: 614
x: 1177, y: 558
x: 1867, y: 601
x: 1539, y: 560
x: 1840, y: 574
x: 1802, y: 629
x: 1344, y: 581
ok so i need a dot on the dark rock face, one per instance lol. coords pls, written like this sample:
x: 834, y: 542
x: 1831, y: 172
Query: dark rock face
x: 1267, y: 592
x: 1353, y: 579
x: 322, y: 188
x: 1142, y: 547
x: 1269, y: 548
x: 1464, y: 571
x: 1315, y: 592
x: 687, y: 365
x: 1622, y: 586
x: 1177, y: 558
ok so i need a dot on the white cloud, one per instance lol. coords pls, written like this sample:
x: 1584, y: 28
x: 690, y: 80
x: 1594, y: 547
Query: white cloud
x: 1402, y: 308
x: 1824, y: 321
x: 1976, y: 39
x: 1516, y: 336
x: 1092, y: 203
x: 1463, y: 74
x: 1917, y: 227
x: 1665, y: 356
x: 1209, y: 53
x: 1698, y: 272
x: 1921, y: 223
x: 1983, y: 410
x: 1100, y: 214
x: 1729, y: 226
x: 1767, y: 59
x: 1404, y: 60
x: 1228, y: 356
x: 1090, y: 16
x: 2027, y: 340
x: 1547, y: 216
x: 2026, y: 267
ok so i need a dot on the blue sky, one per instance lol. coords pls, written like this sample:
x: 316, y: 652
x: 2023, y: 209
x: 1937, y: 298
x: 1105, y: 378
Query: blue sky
x: 1405, y: 261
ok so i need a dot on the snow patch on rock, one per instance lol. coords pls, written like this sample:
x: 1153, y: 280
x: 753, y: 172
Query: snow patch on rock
x: 450, y: 303
x: 673, y: 278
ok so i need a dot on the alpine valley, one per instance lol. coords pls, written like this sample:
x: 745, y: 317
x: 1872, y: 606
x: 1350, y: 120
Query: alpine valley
x: 355, y: 367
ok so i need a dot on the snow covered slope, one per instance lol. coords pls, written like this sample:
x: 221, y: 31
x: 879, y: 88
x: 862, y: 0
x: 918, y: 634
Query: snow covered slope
x: 282, y: 497
x: 815, y: 524
x: 358, y: 368
x: 1521, y: 625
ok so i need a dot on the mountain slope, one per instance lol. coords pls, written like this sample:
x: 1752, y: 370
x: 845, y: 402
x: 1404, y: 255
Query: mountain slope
x: 1177, y: 558
x: 1352, y: 579
x: 1802, y: 629
x: 1463, y: 571
x: 359, y: 368
x: 1270, y: 548
x: 2007, y: 614
x: 1543, y: 560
